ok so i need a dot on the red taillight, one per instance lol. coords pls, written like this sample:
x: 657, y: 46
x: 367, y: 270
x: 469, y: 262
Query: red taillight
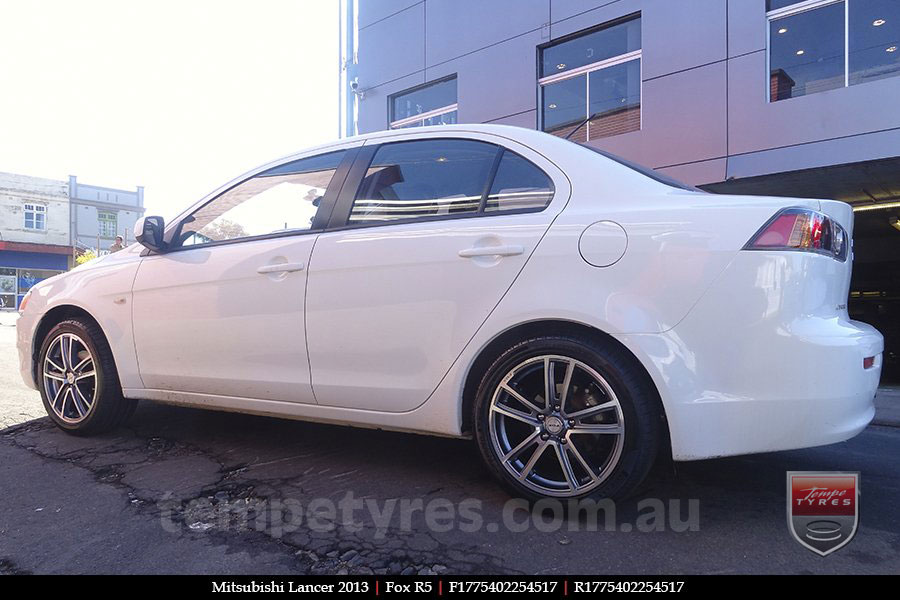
x: 868, y: 362
x: 801, y: 229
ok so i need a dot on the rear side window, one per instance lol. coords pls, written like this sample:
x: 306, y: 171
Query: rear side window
x: 518, y: 185
x: 428, y: 179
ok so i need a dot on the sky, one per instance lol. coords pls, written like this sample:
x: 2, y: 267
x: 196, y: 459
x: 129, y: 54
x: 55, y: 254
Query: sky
x: 179, y: 97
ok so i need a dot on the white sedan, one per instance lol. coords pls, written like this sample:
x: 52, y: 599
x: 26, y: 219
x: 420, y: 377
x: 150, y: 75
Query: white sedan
x: 576, y: 314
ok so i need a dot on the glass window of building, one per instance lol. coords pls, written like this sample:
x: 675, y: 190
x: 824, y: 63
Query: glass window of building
x: 35, y: 216
x: 107, y: 224
x: 14, y: 283
x: 430, y: 104
x: 593, y: 77
x: 827, y: 44
x: 873, y: 40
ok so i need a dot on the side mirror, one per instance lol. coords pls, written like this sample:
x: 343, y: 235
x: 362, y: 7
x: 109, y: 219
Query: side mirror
x: 148, y: 231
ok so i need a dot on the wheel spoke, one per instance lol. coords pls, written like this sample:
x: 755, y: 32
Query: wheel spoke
x: 567, y: 381
x: 591, y: 410
x: 54, y: 376
x: 549, y: 383
x: 50, y: 362
x: 531, y: 406
x: 566, y: 466
x: 522, y: 445
x: 613, y: 429
x: 515, y: 414
x: 526, y: 470
x: 574, y: 450
x: 81, y: 406
x: 81, y: 366
x: 56, y: 397
x: 85, y: 375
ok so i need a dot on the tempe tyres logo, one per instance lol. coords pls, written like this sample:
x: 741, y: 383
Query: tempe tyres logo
x: 823, y: 509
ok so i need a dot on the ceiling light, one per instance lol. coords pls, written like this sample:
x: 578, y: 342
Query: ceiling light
x: 561, y: 66
x: 891, y: 49
x: 895, y: 223
x: 882, y: 206
x: 782, y: 30
x: 878, y: 22
x: 799, y: 52
x: 552, y: 106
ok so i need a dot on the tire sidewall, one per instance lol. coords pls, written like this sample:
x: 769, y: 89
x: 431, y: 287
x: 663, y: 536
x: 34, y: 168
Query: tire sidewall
x: 640, y: 431
x: 76, y: 328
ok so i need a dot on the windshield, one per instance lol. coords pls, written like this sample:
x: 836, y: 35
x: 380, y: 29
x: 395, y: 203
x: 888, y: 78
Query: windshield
x: 655, y: 175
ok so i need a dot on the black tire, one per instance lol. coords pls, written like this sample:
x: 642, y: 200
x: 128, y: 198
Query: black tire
x: 109, y: 408
x: 637, y: 399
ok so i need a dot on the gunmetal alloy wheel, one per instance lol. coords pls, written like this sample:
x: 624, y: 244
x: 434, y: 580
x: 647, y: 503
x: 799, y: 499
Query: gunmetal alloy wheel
x: 556, y: 425
x: 69, y: 378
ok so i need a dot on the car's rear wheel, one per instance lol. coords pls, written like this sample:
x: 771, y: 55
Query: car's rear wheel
x: 567, y: 418
x: 79, y: 384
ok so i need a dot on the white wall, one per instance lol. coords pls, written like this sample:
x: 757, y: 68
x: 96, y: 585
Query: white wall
x: 15, y: 191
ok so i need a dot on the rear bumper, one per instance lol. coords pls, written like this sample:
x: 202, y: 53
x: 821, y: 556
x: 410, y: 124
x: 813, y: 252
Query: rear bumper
x: 776, y: 367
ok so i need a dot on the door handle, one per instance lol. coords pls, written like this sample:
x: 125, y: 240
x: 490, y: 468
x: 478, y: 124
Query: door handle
x: 492, y: 251
x: 281, y: 268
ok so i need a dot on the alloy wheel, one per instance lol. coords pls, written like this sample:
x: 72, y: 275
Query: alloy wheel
x: 556, y: 425
x: 69, y: 378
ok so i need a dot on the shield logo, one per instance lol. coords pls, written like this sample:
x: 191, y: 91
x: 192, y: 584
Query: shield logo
x: 822, y: 509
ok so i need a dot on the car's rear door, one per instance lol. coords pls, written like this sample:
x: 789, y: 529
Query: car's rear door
x: 221, y: 313
x: 429, y: 232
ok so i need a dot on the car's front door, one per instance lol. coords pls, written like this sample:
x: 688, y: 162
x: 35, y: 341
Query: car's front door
x: 221, y: 312
x: 431, y: 233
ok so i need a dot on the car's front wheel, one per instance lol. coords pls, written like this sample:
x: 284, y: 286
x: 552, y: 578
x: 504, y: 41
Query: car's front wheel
x: 566, y: 417
x: 79, y: 384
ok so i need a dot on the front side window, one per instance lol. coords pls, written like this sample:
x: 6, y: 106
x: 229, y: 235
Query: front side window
x: 429, y: 179
x: 830, y: 44
x: 431, y: 104
x: 593, y: 77
x: 107, y: 224
x: 281, y: 199
x: 35, y: 216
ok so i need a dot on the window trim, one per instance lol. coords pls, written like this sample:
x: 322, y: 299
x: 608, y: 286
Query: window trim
x: 435, y: 112
x: 592, y: 67
x: 793, y: 10
x: 340, y: 220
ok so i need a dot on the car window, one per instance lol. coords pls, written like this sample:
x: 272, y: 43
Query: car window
x: 518, y: 185
x: 424, y: 178
x: 283, y: 198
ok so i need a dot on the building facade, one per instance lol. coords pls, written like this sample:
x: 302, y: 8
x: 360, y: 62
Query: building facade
x: 773, y: 97
x: 44, y: 223
x: 99, y: 214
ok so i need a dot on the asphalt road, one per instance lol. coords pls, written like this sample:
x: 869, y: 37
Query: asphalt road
x: 189, y: 491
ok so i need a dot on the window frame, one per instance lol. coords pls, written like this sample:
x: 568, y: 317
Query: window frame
x: 323, y: 215
x: 340, y: 219
x: 599, y: 65
x: 101, y: 220
x: 395, y: 124
x: 796, y: 9
x: 35, y: 208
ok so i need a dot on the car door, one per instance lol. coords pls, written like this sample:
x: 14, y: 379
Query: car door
x: 429, y: 233
x: 221, y: 312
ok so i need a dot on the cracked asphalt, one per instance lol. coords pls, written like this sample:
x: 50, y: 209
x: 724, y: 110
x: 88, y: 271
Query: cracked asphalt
x: 188, y: 491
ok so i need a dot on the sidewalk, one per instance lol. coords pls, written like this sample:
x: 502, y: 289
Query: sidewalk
x: 8, y: 318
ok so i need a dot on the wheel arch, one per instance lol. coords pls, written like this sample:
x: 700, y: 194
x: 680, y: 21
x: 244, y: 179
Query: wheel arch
x: 48, y: 321
x: 493, y: 349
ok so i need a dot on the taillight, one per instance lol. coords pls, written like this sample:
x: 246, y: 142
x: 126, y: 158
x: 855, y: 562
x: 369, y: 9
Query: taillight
x: 802, y: 229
